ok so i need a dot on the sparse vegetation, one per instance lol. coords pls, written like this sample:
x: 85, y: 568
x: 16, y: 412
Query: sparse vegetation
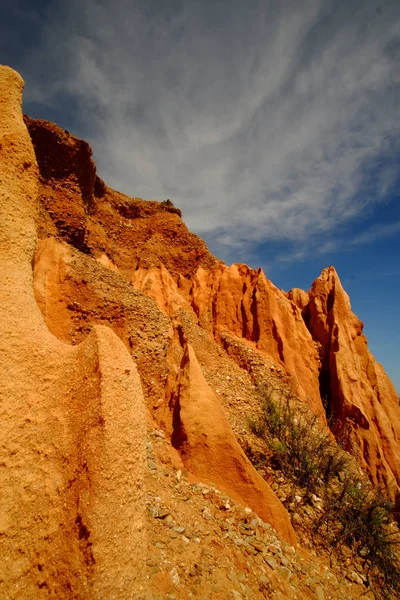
x: 169, y: 206
x: 358, y: 516
x: 355, y: 517
x: 301, y: 447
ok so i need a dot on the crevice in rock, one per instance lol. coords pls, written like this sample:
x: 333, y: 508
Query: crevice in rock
x: 99, y: 187
x: 278, y: 340
x: 330, y: 300
x: 253, y: 309
x: 179, y: 436
x: 243, y: 312
x: 324, y: 376
x: 306, y: 314
x: 325, y: 388
x: 214, y: 313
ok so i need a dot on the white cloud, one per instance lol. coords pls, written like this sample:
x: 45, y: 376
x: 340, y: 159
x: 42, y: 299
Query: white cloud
x: 261, y: 120
x: 377, y: 232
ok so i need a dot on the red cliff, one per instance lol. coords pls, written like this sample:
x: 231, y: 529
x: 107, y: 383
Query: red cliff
x: 312, y: 340
x: 115, y: 317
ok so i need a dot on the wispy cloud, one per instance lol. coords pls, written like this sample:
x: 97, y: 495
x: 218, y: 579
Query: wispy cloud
x: 261, y: 120
x: 377, y: 232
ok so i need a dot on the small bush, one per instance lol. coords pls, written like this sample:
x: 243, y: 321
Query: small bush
x: 300, y: 445
x: 169, y: 206
x: 358, y: 516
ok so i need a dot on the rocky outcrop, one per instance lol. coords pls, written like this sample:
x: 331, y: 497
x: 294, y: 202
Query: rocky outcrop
x: 146, y: 244
x: 75, y: 292
x: 76, y: 206
x: 314, y: 337
x: 358, y: 393
x: 101, y: 294
x: 202, y: 434
x: 71, y: 459
x: 245, y: 304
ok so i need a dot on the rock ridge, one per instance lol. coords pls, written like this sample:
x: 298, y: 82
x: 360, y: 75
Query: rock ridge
x: 296, y: 332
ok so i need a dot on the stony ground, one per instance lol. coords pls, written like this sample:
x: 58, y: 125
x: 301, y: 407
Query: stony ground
x: 203, y: 545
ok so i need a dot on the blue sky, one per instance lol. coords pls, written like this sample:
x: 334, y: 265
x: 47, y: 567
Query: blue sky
x: 273, y: 124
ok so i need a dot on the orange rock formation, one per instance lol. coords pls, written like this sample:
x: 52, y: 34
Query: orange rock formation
x: 148, y: 245
x: 204, y: 437
x: 123, y: 299
x: 71, y: 457
x: 356, y: 388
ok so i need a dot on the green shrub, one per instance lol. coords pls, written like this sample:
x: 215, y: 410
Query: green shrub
x: 356, y: 515
x: 301, y: 446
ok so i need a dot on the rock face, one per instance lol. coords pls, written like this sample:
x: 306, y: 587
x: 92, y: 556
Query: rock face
x: 313, y: 339
x: 76, y: 206
x: 71, y: 458
x: 246, y: 304
x: 358, y: 392
x: 209, y: 449
x: 115, y: 317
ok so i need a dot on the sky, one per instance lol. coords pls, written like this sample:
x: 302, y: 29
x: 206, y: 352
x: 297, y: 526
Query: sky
x: 273, y: 124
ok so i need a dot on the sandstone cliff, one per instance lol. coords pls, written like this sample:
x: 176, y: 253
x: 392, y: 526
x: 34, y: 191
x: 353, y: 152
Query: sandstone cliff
x: 312, y: 338
x: 115, y: 317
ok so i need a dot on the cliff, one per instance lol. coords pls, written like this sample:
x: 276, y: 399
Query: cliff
x: 313, y: 338
x: 70, y: 457
x: 117, y: 319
